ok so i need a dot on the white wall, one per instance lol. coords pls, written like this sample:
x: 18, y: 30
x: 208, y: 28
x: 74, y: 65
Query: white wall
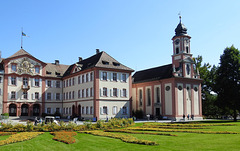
x: 168, y: 99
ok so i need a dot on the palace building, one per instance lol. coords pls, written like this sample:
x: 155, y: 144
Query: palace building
x: 97, y: 87
x: 100, y: 87
x: 173, y: 90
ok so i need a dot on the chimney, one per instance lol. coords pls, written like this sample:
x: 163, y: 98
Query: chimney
x: 97, y: 51
x: 79, y: 59
x: 56, y: 62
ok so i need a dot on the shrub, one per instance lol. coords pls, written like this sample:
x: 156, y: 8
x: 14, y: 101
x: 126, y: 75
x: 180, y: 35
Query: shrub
x: 137, y: 132
x: 100, y: 124
x: 65, y: 137
x: 19, y: 137
x: 124, y: 138
x: 185, y: 131
x: 7, y: 133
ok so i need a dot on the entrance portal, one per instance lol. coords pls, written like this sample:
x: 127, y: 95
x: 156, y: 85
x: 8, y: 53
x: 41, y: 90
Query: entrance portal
x: 12, y: 110
x: 36, y: 110
x: 24, y: 110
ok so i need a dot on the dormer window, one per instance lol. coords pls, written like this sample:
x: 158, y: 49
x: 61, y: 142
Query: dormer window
x: 14, y: 67
x: 47, y: 72
x: 105, y: 62
x: 116, y: 64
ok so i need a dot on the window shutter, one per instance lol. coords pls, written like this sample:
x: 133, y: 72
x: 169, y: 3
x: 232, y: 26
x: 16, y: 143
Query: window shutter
x: 107, y: 92
x: 111, y: 92
x: 33, y: 82
x: 16, y: 95
x: 120, y: 77
x: 89, y: 92
x: 121, y: 110
x: 100, y: 92
x: 108, y: 76
x: 46, y: 83
x: 92, y: 92
x: 52, y: 84
x: 32, y: 97
x: 126, y: 93
x: 89, y: 108
x: 55, y: 96
x: 107, y: 110
x: 61, y: 96
x: 127, y: 110
x: 52, y: 96
x: 111, y: 76
x: 101, y: 110
x: 101, y: 75
x: 50, y: 110
x: 121, y: 93
x: 60, y: 110
x: 29, y: 80
x: 60, y: 84
x: 22, y: 96
x: 80, y: 91
x: 40, y: 82
x: 27, y: 95
x: 117, y: 92
x: 45, y: 110
x: 45, y: 95
x: 9, y: 80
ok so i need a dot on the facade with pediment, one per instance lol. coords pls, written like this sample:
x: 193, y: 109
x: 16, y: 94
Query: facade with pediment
x: 171, y: 91
x: 97, y: 87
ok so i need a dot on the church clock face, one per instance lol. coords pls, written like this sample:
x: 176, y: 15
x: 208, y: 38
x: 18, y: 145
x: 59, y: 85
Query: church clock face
x: 177, y: 41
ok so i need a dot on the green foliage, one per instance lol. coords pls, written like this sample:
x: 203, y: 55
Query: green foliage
x: 207, y: 74
x: 227, y: 82
x: 5, y: 115
x: 138, y: 114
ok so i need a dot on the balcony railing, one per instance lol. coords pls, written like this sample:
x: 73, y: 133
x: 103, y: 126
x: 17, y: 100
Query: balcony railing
x: 25, y: 87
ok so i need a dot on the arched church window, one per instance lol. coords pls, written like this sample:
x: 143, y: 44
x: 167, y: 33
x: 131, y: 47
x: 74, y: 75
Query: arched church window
x: 187, y: 50
x: 188, y: 69
x: 180, y: 87
x: 177, y: 50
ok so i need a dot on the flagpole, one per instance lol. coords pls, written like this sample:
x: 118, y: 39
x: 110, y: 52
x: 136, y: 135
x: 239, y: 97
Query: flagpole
x: 21, y: 39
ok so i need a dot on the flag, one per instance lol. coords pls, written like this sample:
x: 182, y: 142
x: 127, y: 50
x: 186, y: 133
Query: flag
x: 23, y: 34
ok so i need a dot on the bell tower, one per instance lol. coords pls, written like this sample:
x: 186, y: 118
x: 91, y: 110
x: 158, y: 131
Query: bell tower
x: 182, y: 58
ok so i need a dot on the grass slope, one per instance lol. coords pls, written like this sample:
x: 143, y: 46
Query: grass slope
x: 184, y: 141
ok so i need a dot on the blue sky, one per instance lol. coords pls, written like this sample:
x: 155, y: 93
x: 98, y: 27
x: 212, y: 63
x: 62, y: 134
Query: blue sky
x: 135, y: 32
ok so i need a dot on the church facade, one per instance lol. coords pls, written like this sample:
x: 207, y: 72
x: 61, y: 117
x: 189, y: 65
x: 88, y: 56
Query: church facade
x: 171, y: 91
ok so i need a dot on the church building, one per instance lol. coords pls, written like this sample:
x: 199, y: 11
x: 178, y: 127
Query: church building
x: 171, y: 91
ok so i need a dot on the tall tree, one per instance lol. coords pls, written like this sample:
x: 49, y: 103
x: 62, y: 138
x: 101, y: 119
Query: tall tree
x: 227, y: 81
x: 207, y: 73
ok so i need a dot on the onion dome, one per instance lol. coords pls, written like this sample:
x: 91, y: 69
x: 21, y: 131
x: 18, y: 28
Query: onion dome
x: 181, y: 29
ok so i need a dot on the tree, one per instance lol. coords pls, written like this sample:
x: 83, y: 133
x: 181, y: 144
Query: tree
x: 207, y: 73
x: 227, y: 81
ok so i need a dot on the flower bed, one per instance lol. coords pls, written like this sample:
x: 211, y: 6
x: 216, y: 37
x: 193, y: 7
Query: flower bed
x: 173, y: 127
x: 124, y: 138
x: 7, y: 133
x: 187, y: 125
x: 137, y: 132
x: 19, y: 137
x: 65, y: 137
x: 186, y: 131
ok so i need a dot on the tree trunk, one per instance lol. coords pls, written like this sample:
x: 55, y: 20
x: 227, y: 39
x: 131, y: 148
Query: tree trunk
x: 235, y: 115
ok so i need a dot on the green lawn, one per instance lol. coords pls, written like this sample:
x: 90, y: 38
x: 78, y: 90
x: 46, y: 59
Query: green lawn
x: 184, y: 141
